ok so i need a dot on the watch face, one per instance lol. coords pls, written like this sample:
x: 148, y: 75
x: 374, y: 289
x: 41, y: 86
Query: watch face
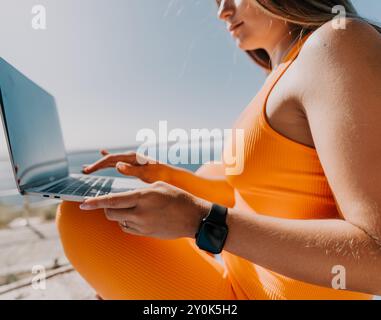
x: 212, y: 237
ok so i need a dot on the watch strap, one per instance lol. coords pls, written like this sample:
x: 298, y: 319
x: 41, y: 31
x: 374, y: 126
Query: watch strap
x: 217, y: 214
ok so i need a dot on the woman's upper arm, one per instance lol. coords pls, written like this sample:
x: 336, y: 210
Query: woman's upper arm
x: 341, y: 95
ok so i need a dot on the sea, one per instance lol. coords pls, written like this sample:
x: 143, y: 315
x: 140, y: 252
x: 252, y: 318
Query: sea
x: 8, y: 191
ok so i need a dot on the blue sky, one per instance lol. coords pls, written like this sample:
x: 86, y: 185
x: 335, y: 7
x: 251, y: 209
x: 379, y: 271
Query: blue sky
x: 116, y: 66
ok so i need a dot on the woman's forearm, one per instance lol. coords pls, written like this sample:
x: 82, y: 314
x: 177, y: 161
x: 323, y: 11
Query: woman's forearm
x: 215, y: 190
x: 307, y: 250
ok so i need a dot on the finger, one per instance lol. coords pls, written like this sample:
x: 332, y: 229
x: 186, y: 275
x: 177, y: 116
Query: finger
x: 109, y: 161
x: 143, y: 160
x: 84, y: 166
x: 106, y: 162
x: 100, y: 164
x: 132, y: 231
x: 128, y: 215
x: 104, y: 152
x: 123, y: 200
x: 127, y: 225
x: 139, y: 159
x: 129, y: 170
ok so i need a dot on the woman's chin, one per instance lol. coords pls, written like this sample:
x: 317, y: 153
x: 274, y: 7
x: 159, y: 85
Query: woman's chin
x: 244, y: 45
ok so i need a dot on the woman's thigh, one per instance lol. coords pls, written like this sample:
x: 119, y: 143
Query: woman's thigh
x: 123, y: 266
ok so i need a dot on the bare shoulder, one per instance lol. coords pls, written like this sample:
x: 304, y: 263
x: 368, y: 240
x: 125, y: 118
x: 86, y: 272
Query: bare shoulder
x: 328, y: 43
x: 339, y: 59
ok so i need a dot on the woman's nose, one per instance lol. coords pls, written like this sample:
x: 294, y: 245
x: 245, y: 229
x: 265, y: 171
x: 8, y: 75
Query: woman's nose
x: 226, y: 9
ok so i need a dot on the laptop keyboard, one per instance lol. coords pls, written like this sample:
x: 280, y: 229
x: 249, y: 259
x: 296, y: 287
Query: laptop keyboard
x: 83, y: 186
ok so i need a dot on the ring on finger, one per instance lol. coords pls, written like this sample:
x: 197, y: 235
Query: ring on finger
x: 124, y: 224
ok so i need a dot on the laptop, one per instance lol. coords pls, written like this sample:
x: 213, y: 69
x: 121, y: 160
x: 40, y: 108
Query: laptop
x: 36, y: 147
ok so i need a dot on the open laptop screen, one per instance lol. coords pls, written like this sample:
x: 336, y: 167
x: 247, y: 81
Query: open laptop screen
x: 32, y: 129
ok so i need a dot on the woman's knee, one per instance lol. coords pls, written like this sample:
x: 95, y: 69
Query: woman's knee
x: 67, y: 219
x: 77, y: 229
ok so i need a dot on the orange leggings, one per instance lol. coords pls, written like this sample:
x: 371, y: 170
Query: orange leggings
x: 123, y: 266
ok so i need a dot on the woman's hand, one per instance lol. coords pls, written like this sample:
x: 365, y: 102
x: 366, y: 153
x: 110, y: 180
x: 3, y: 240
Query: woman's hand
x: 160, y: 211
x: 212, y: 188
x: 133, y: 164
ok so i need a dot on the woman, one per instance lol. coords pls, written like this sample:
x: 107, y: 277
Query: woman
x: 304, y: 217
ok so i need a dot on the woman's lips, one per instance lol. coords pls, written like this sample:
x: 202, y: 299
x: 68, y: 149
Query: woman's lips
x: 235, y: 26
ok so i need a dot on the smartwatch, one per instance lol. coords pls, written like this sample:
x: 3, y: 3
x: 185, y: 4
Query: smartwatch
x: 213, y: 230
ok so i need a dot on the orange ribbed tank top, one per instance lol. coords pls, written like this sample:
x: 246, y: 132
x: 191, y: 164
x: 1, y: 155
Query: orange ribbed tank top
x: 281, y: 178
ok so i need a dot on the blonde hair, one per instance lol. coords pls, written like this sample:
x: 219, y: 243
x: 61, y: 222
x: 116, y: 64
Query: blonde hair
x: 303, y: 16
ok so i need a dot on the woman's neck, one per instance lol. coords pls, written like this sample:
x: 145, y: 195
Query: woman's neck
x: 282, y: 47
